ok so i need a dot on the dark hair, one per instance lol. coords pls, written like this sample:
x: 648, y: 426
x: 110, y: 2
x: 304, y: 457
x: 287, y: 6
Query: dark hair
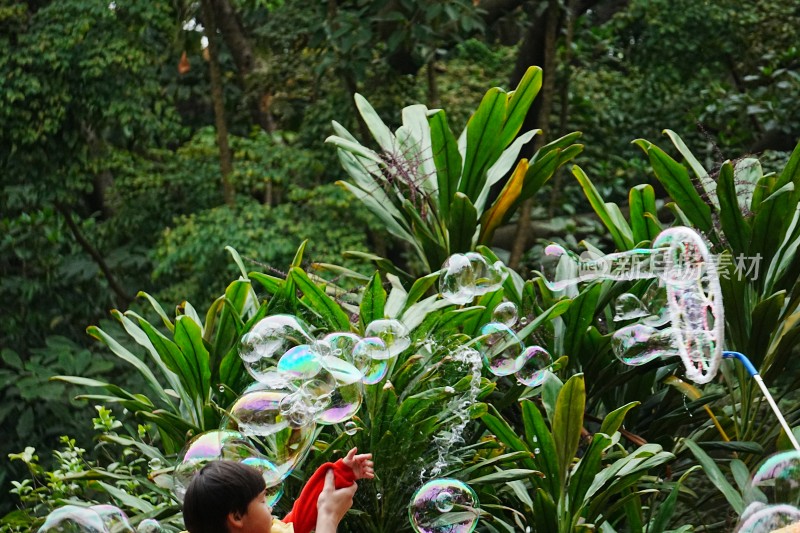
x: 220, y: 488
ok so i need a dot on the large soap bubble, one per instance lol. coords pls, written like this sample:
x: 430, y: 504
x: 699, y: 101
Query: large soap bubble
x: 269, y: 339
x: 215, y: 445
x: 393, y: 333
x: 261, y: 415
x: 73, y: 519
x: 114, y: 519
x: 345, y: 401
x: 506, y: 313
x: 149, y: 525
x: 300, y: 362
x: 532, y: 364
x: 777, y: 480
x: 771, y: 519
x: 444, y: 506
x: 464, y: 276
x: 500, y: 348
x: 680, y: 260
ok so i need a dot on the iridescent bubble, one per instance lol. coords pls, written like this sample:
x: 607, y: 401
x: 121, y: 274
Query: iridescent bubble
x: 273, y: 336
x: 258, y: 412
x: 343, y: 372
x: 393, y: 333
x: 457, y: 280
x: 500, y: 348
x: 300, y: 362
x: 629, y: 307
x: 638, y: 344
x: 370, y: 348
x: 444, y: 506
x: 73, y: 519
x: 214, y: 445
x: 149, y: 525
x: 260, y: 369
x: 487, y: 277
x: 342, y: 344
x: 534, y: 361
x: 351, y: 428
x: 372, y: 370
x: 114, y: 519
x: 345, y: 402
x: 506, y: 313
x: 777, y: 480
x: 771, y: 519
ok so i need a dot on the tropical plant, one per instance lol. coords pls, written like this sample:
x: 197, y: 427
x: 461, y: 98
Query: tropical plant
x: 433, y: 191
x: 604, y: 485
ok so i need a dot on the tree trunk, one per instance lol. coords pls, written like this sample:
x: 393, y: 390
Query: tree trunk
x: 541, y: 42
x: 246, y: 61
x: 433, y: 88
x: 225, y: 158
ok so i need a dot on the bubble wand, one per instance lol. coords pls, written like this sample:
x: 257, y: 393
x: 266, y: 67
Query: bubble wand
x: 748, y: 366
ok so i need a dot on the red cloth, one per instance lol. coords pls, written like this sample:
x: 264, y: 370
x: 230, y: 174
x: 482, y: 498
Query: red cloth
x: 304, y: 512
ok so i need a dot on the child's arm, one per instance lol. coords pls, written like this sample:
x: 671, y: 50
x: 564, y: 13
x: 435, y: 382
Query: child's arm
x: 361, y: 465
x: 332, y: 504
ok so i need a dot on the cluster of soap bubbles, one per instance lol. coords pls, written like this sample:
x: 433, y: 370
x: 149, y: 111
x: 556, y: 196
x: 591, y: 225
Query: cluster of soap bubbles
x: 95, y: 519
x: 465, y: 276
x: 774, y: 496
x: 444, y: 506
x: 682, y: 314
x: 300, y: 382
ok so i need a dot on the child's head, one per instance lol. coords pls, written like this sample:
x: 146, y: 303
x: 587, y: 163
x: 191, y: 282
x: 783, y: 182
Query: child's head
x: 226, y: 496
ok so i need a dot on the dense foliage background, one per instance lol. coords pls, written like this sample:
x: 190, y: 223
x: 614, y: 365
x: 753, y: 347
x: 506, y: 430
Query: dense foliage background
x: 136, y: 143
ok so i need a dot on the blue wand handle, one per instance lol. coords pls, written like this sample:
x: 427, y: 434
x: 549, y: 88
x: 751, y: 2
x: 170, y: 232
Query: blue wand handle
x: 748, y: 366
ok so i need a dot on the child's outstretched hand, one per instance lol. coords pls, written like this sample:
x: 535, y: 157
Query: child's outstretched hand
x: 361, y: 465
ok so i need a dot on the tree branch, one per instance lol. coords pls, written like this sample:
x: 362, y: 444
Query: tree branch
x: 123, y: 298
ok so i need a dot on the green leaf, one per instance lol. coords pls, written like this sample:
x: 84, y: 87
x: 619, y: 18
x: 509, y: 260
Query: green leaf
x: 379, y: 130
x: 715, y: 475
x: 447, y: 160
x: 539, y: 437
x: 320, y: 302
x: 483, y: 138
x: 189, y: 339
x: 613, y: 420
x: 568, y: 422
x: 157, y: 306
x: 622, y: 237
x: 642, y: 201
x: 708, y: 184
x: 675, y: 179
x: 519, y: 102
x: 734, y: 226
x: 373, y: 301
x: 462, y: 224
x: 419, y: 288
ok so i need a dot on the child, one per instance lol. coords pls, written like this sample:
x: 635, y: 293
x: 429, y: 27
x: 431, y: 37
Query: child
x: 229, y: 497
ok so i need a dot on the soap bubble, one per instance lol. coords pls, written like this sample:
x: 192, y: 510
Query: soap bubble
x: 370, y: 348
x: 342, y: 344
x: 272, y: 336
x: 771, y: 519
x: 777, y: 480
x: 487, y: 277
x: 506, y: 313
x: 258, y: 412
x: 114, y: 519
x: 300, y: 362
x: 372, y: 370
x: 343, y: 372
x: 149, y: 525
x: 444, y: 506
x: 638, y: 344
x: 393, y: 333
x: 629, y: 307
x: 73, y: 519
x: 214, y: 445
x: 500, y: 348
x: 351, y: 428
x: 345, y: 401
x: 457, y: 280
x: 533, y: 362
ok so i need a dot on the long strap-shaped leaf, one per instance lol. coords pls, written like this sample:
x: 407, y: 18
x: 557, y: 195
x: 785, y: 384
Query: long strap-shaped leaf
x: 568, y: 422
x: 319, y: 302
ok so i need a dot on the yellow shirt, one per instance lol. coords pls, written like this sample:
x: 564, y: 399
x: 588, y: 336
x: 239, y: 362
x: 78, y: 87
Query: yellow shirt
x: 280, y: 527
